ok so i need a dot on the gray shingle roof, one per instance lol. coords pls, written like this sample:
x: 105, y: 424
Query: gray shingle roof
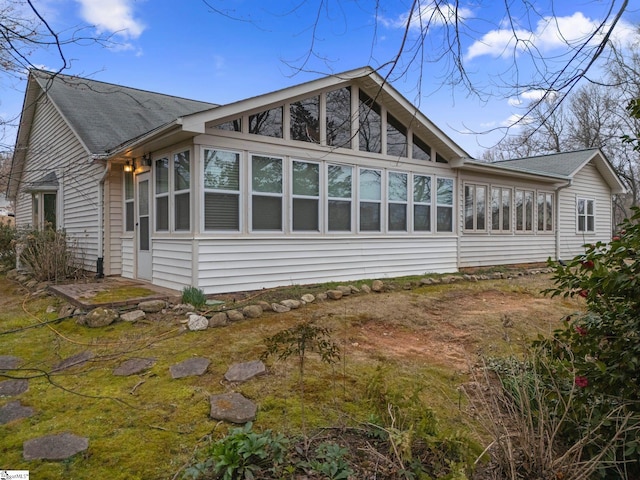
x: 557, y: 164
x: 105, y: 115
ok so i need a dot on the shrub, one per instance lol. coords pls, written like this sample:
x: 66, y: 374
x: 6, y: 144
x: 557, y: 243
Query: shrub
x: 49, y: 254
x: 8, y: 234
x: 194, y: 296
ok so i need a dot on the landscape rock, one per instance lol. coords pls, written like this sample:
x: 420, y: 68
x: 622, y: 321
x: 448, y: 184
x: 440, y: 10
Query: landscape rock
x: 252, y: 311
x: 266, y: 306
x: 152, y: 306
x: 334, y: 294
x: 365, y: 288
x: 235, y: 315
x: 54, y: 447
x: 74, y: 360
x: 99, y: 317
x: 426, y: 281
x: 241, y: 372
x: 133, y: 316
x: 218, y: 320
x: 354, y: 289
x: 14, y: 411
x: 377, y: 286
x: 189, y: 368
x: 133, y: 366
x: 9, y: 362
x: 278, y: 308
x: 197, y: 323
x: 11, y: 388
x: 308, y: 298
x: 321, y: 297
x: 182, y: 309
x: 66, y: 310
x: 344, y: 289
x: 232, y: 407
x: 292, y: 304
x: 50, y: 309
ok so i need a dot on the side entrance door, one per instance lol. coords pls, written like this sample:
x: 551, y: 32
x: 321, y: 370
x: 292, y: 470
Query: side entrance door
x: 143, y: 228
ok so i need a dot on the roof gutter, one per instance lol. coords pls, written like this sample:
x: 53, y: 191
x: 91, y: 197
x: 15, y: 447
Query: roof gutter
x: 557, y: 213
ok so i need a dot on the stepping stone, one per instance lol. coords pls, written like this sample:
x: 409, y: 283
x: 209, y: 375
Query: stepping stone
x: 54, y: 447
x: 189, y: 368
x: 10, y: 388
x: 73, y: 360
x: 14, y: 411
x: 232, y: 407
x: 241, y: 372
x: 133, y: 366
x: 9, y: 362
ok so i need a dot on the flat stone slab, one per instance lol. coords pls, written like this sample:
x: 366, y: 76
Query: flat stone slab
x: 133, y: 366
x: 9, y: 362
x: 73, y: 361
x: 54, y: 447
x: 241, y: 372
x: 10, y: 388
x: 189, y: 368
x: 232, y: 407
x: 14, y: 411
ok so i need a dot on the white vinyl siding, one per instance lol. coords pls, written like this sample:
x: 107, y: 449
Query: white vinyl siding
x: 172, y: 261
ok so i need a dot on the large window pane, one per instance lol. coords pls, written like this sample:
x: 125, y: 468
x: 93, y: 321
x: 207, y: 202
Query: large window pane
x: 468, y: 206
x: 496, y: 206
x: 305, y: 120
x: 397, y: 187
x: 49, y: 210
x: 397, y: 217
x: 221, y: 211
x: 481, y: 194
x: 422, y: 218
x: 266, y: 174
x: 221, y: 170
x: 305, y: 214
x: 162, y: 214
x: 182, y: 209
x: 506, y: 210
x: 339, y: 215
x: 421, y: 151
x: 267, y: 213
x: 182, y: 174
x: 370, y: 125
x: 370, y: 184
x: 396, y: 137
x: 339, y: 179
x: 444, y: 210
x: 421, y: 189
x: 231, y: 125
x: 306, y: 179
x: 339, y: 118
x: 268, y: 123
x: 369, y: 217
x: 162, y: 175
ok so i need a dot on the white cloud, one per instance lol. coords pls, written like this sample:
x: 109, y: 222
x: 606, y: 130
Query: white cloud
x: 112, y: 16
x: 550, y: 33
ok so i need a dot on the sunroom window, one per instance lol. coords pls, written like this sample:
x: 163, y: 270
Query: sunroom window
x: 545, y: 212
x: 397, y: 205
x: 230, y: 126
x: 396, y: 137
x: 421, y: 203
x: 420, y: 151
x: 128, y: 202
x: 162, y: 194
x: 305, y: 120
x: 266, y: 198
x: 306, y: 196
x: 586, y: 215
x: 338, y: 112
x: 524, y: 210
x: 339, y: 195
x: 370, y: 200
x: 475, y: 197
x: 500, y: 209
x: 267, y: 123
x: 444, y: 208
x: 370, y: 125
x: 221, y: 190
x: 181, y: 189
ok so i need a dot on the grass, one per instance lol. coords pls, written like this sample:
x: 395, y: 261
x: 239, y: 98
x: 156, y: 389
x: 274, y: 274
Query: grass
x: 147, y: 426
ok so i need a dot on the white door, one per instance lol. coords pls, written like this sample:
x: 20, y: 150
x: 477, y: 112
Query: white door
x: 143, y: 228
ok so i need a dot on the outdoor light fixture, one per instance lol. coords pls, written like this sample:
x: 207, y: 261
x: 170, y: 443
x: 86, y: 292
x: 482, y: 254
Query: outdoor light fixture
x: 128, y: 167
x: 147, y: 159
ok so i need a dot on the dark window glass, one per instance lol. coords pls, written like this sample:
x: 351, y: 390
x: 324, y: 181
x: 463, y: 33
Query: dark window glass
x: 370, y: 125
x: 421, y: 151
x: 162, y: 214
x: 267, y: 123
x: 305, y: 120
x: 396, y: 137
x: 339, y: 118
x: 182, y: 217
x: 221, y: 211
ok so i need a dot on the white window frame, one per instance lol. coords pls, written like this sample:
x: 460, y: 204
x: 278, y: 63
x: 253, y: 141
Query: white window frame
x: 37, y: 208
x: 586, y: 215
x: 353, y: 218
x: 185, y: 191
x: 238, y: 193
x: 389, y: 202
x: 552, y: 209
x: 380, y: 202
x: 474, y: 206
x: 501, y: 190
x: 534, y: 219
x: 128, y: 201
x: 294, y: 196
x: 414, y: 203
x: 281, y: 195
x: 166, y: 194
x: 444, y: 205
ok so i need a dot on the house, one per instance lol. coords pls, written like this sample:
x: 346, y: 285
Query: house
x: 340, y: 178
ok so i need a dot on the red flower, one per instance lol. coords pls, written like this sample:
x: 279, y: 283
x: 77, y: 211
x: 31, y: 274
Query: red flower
x: 616, y: 238
x: 581, y: 330
x: 581, y: 381
x: 583, y: 293
x: 588, y: 264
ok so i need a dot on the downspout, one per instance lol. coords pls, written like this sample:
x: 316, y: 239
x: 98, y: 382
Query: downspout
x: 569, y: 183
x: 100, y: 259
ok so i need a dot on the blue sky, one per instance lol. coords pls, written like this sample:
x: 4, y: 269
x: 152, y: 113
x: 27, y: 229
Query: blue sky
x: 247, y: 48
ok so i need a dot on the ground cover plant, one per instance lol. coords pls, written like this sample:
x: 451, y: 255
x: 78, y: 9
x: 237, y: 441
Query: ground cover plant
x: 394, y: 395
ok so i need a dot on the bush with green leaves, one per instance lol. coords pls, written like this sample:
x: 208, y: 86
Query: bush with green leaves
x: 604, y: 342
x: 8, y: 234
